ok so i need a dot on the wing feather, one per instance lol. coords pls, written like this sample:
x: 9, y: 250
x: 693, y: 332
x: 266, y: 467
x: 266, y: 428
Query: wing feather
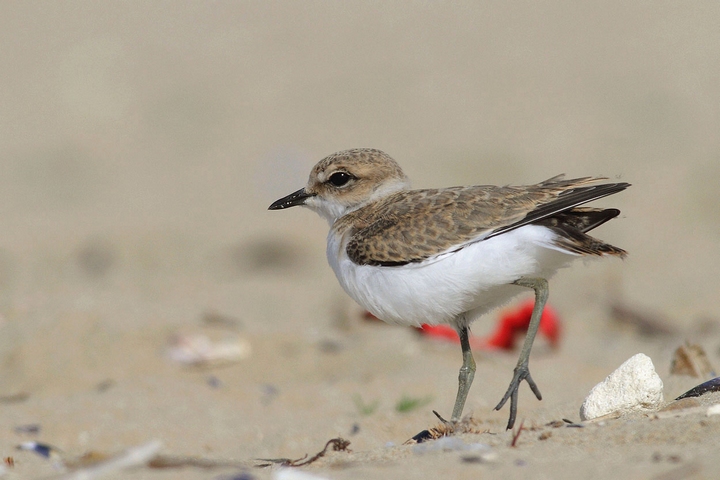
x: 412, y: 226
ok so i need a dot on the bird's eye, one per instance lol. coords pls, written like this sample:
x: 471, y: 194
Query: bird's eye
x: 339, y: 179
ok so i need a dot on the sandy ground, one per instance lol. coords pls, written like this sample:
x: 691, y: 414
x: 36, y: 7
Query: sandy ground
x: 141, y: 143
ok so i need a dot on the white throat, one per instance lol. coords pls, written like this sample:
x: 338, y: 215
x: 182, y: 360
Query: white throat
x: 333, y: 208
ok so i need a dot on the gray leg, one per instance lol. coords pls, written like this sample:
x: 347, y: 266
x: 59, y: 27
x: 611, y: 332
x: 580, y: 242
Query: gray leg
x: 467, y: 373
x: 522, y: 372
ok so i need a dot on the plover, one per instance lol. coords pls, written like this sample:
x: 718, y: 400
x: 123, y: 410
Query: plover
x: 449, y: 255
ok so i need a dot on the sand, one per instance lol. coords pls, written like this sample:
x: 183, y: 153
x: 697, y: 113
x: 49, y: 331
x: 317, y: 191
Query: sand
x: 142, y: 143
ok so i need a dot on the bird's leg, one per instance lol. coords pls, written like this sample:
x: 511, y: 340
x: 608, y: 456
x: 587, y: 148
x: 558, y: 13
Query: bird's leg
x: 467, y: 373
x: 522, y: 371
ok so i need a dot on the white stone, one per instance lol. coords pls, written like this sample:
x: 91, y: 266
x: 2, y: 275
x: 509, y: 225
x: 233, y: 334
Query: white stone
x: 633, y: 386
x: 283, y: 473
x: 713, y: 410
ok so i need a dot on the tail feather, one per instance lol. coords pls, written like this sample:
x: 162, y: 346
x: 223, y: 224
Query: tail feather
x: 568, y: 201
x: 571, y: 227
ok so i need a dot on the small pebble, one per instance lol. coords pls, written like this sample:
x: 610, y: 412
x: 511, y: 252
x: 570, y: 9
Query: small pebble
x: 329, y: 346
x: 44, y: 450
x: 214, y: 382
x: 237, y: 476
x: 294, y: 474
x: 105, y: 385
x: 29, y: 429
x: 40, y: 448
x: 633, y: 386
x: 486, y: 457
x: 198, y: 349
x: 449, y: 444
x: 96, y: 258
x: 269, y: 392
x: 422, y: 437
x: 713, y: 410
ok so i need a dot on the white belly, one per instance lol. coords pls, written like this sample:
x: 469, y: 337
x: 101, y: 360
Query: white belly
x: 471, y: 281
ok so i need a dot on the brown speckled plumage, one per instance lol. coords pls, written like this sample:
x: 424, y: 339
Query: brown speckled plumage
x: 411, y: 226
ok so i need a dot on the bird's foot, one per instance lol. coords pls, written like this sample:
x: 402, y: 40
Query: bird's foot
x: 522, y: 372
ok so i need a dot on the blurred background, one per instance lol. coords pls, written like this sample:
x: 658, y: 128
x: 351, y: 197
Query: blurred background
x: 142, y: 142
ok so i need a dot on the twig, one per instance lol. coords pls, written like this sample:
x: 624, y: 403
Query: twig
x: 338, y: 445
x: 516, y: 435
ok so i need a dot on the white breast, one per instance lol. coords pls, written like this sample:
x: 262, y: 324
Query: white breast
x: 472, y: 280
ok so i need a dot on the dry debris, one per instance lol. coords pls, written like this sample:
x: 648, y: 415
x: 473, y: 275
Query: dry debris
x: 691, y: 359
x: 446, y: 429
x: 338, y: 445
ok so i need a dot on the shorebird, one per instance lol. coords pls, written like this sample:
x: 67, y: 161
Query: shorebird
x: 449, y: 255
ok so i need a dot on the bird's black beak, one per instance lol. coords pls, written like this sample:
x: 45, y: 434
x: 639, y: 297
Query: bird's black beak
x: 292, y: 200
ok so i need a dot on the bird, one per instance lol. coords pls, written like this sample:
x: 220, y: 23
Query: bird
x: 450, y: 255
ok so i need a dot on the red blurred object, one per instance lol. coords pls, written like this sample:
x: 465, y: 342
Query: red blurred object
x: 512, y: 323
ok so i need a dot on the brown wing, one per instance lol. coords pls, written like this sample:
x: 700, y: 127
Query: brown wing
x: 412, y: 226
